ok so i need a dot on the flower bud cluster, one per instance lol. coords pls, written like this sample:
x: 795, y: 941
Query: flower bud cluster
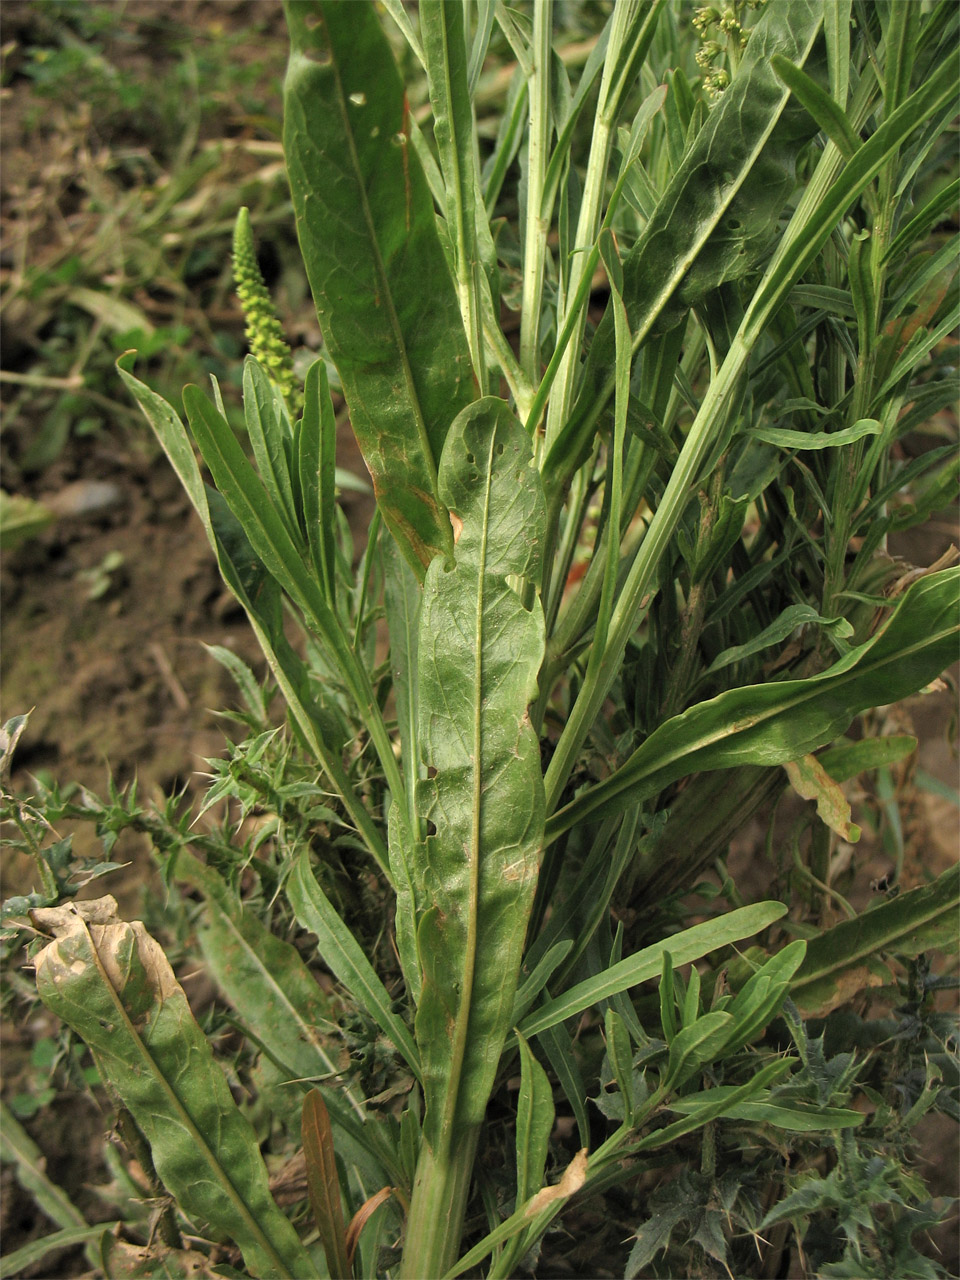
x: 720, y: 52
x: 265, y: 336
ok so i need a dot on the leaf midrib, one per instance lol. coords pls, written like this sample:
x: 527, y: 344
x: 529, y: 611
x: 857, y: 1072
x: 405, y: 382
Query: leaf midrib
x: 386, y: 292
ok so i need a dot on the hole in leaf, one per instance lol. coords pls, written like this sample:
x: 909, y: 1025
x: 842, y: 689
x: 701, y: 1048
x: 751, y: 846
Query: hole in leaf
x: 431, y: 771
x: 431, y: 828
x: 358, y: 99
x: 734, y: 224
x: 471, y: 459
x: 499, y: 450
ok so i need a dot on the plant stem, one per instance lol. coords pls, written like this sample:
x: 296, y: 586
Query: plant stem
x: 437, y: 1207
x: 535, y: 237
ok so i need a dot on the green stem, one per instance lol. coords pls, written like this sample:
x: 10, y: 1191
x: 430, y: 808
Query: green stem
x: 437, y: 1207
x: 691, y: 619
x: 535, y: 237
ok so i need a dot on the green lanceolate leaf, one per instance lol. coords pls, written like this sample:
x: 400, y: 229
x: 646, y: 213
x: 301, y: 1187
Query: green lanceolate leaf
x: 445, y: 51
x: 535, y: 1115
x: 479, y: 653
x: 838, y: 963
x: 111, y: 982
x: 386, y: 302
x: 697, y: 236
x: 266, y: 981
x: 323, y: 1183
x: 316, y: 473
x: 768, y: 1109
x: 772, y: 723
x: 19, y: 1149
x: 683, y: 947
x: 249, y: 589
x: 345, y: 957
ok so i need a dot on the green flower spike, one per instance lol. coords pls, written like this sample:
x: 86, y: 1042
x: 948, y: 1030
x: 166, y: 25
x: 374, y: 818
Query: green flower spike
x: 264, y: 332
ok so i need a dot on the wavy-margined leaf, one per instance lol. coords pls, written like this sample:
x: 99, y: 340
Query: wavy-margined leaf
x: 384, y: 295
x: 841, y: 961
x: 772, y: 723
x: 479, y: 653
x: 111, y: 982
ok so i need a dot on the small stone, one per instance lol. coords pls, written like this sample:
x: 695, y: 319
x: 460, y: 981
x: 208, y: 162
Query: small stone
x: 84, y: 498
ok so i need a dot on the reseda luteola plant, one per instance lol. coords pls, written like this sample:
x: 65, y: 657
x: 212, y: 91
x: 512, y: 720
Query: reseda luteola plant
x: 722, y: 446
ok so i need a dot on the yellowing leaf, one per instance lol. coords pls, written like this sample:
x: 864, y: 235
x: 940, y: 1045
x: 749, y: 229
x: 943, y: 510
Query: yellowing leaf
x: 811, y: 781
x: 111, y: 982
x: 573, y: 1179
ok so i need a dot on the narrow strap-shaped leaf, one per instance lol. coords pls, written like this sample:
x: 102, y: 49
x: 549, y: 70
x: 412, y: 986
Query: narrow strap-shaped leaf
x: 816, y: 439
x: 345, y: 957
x: 19, y: 1149
x: 794, y: 616
x: 767, y: 1075
x: 445, y: 49
x: 29, y: 1255
x: 683, y: 947
x: 111, y: 982
x: 539, y: 976
x: 267, y: 983
x: 558, y: 1046
x: 479, y: 653
x: 267, y: 428
x: 620, y: 1055
x: 819, y: 104
x: 237, y: 482
x: 535, y: 1116
x: 772, y: 723
x: 535, y: 1112
x: 835, y: 967
x: 316, y: 464
x: 385, y: 299
x: 323, y: 1183
x: 690, y: 211
x: 768, y: 1109
x: 175, y: 443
